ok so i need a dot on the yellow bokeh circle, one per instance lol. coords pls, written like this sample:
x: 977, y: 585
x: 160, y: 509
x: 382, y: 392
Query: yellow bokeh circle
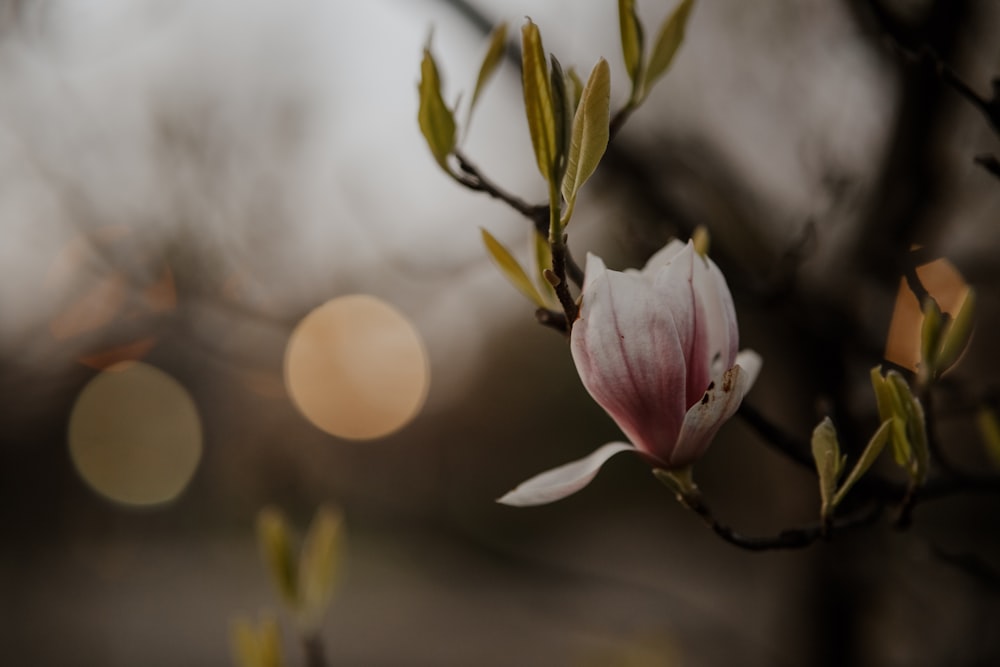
x: 135, y: 435
x: 357, y: 368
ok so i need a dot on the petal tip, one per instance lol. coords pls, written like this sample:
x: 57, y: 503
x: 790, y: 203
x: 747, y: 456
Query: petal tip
x: 563, y: 481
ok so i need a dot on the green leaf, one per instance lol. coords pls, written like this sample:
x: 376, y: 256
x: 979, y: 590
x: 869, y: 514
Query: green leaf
x: 883, y: 396
x: 258, y: 646
x: 511, y: 269
x: 562, y: 112
x: 668, y: 40
x: 632, y: 42
x: 989, y: 429
x: 956, y: 336
x: 918, y: 438
x: 275, y: 540
x: 902, y: 453
x: 538, y: 99
x: 930, y: 338
x: 543, y: 261
x: 320, y: 564
x: 909, y: 408
x: 868, y: 457
x: 826, y: 455
x: 269, y: 643
x: 492, y: 59
x: 243, y: 639
x: 590, y: 132
x: 437, y: 122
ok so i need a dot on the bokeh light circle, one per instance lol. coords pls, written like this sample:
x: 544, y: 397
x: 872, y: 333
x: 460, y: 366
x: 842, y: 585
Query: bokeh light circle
x: 357, y: 368
x: 135, y: 435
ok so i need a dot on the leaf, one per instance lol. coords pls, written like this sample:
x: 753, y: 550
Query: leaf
x: 883, y: 396
x: 269, y: 643
x: 275, y: 540
x: 543, y: 261
x: 826, y: 455
x: 243, y: 638
x: 901, y: 450
x: 492, y: 59
x: 258, y: 646
x: 632, y: 42
x: 868, y: 457
x: 511, y: 269
x: 437, y: 122
x: 930, y: 338
x: 668, y: 40
x: 909, y: 408
x: 921, y: 449
x: 538, y: 99
x: 956, y: 336
x: 320, y: 562
x: 590, y: 131
x: 989, y: 429
x: 562, y: 113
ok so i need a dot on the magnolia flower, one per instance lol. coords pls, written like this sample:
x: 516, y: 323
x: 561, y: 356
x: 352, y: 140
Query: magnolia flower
x: 657, y: 349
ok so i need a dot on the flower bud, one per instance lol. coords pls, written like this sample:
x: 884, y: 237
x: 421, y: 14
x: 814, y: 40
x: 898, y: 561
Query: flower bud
x: 657, y: 349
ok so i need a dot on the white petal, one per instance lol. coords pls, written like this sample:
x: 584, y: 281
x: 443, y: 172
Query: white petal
x: 665, y: 255
x: 630, y: 359
x: 563, y: 481
x: 703, y: 420
x: 750, y: 362
x: 593, y: 270
x: 717, y: 315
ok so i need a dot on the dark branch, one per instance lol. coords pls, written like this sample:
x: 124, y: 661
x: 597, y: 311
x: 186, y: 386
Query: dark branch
x: 972, y: 565
x: 794, y: 538
x: 988, y: 162
x: 474, y: 179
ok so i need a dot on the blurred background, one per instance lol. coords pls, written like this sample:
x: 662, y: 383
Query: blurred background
x: 231, y: 276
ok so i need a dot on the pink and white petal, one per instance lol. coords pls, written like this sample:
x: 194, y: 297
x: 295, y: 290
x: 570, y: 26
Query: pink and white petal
x: 703, y: 420
x: 717, y: 329
x: 664, y: 255
x: 594, y: 269
x: 751, y: 363
x: 629, y: 358
x: 563, y: 481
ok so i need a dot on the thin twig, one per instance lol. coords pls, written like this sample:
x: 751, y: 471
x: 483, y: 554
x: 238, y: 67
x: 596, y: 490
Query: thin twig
x: 933, y: 441
x: 988, y: 162
x: 619, y: 119
x: 573, y: 270
x: 916, y: 285
x: 794, y: 538
x: 559, y: 253
x: 971, y: 564
x: 472, y: 178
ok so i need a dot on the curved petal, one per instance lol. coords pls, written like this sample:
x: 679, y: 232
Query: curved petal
x: 665, y: 255
x: 630, y: 359
x: 750, y: 362
x: 703, y: 420
x: 716, y: 335
x: 594, y: 269
x: 563, y: 481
